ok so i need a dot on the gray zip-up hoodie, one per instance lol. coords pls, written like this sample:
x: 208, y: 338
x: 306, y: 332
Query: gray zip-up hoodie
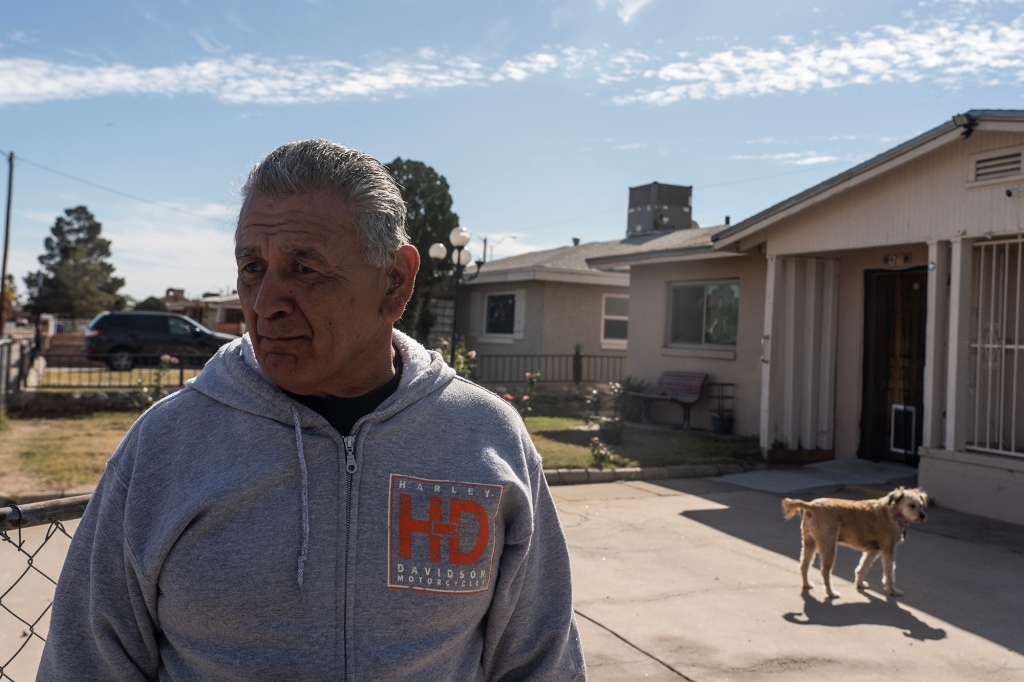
x: 236, y: 536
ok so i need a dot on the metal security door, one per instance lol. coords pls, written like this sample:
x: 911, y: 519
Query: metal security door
x: 895, y: 311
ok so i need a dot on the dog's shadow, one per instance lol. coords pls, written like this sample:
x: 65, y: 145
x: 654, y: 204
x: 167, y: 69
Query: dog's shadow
x: 874, y: 612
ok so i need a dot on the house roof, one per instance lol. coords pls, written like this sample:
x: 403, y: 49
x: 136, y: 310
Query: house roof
x: 566, y: 263
x: 673, y: 245
x: 983, y: 119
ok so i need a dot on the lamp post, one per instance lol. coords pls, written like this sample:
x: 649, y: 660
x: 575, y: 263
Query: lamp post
x: 460, y: 258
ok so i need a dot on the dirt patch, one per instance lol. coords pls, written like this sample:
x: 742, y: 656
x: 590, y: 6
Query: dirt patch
x: 50, y: 458
x: 15, y: 481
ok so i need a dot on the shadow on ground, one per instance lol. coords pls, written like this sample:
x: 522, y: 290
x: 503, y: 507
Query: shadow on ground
x: 877, y: 611
x: 958, y: 571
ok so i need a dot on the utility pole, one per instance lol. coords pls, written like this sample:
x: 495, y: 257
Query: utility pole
x: 7, y: 239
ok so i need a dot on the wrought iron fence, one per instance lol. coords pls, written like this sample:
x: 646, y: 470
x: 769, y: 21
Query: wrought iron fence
x: 33, y: 544
x: 15, y: 359
x: 577, y: 368
x: 78, y: 371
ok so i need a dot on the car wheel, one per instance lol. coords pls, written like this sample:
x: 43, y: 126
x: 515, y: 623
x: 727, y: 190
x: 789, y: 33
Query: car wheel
x: 121, y: 360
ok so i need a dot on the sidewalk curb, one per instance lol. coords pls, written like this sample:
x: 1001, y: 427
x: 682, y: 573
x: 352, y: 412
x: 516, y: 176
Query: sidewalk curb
x: 553, y: 476
x: 592, y: 475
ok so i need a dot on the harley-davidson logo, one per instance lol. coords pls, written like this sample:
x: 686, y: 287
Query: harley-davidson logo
x: 441, y: 535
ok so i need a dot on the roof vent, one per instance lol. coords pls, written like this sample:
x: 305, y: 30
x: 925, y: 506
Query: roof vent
x: 995, y: 167
x: 575, y: 241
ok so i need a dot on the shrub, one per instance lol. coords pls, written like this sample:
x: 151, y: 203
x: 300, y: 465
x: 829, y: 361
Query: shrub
x: 524, y: 404
x: 147, y: 394
x: 601, y: 455
x: 465, y: 360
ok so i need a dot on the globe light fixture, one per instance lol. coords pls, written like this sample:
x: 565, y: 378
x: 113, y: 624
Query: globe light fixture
x: 455, y: 267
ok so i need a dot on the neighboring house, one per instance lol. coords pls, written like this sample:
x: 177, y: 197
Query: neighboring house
x: 549, y: 303
x: 545, y: 303
x: 879, y: 315
x: 213, y: 311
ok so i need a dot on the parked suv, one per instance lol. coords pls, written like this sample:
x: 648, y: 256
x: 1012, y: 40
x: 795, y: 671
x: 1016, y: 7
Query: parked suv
x: 124, y: 339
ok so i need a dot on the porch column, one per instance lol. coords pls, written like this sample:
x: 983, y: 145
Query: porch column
x: 936, y: 331
x: 769, y: 407
x: 958, y: 358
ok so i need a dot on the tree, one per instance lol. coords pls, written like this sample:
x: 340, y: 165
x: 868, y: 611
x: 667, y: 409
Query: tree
x: 9, y: 301
x: 76, y: 280
x: 429, y: 204
x: 151, y: 303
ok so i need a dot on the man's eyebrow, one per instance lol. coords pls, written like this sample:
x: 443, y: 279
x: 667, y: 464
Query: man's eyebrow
x: 307, y: 253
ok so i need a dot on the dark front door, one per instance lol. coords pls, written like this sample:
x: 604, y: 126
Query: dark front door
x: 895, y: 310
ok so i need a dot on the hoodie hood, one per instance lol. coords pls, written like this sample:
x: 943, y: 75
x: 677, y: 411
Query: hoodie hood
x: 233, y: 377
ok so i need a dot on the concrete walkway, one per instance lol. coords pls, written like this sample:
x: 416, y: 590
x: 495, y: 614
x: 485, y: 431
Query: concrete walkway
x: 697, y: 579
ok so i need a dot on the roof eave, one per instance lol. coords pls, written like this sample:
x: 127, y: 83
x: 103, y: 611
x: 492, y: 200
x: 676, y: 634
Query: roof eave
x: 664, y: 256
x: 989, y: 120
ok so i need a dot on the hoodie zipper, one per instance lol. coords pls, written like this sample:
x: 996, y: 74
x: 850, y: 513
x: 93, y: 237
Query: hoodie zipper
x: 350, y: 470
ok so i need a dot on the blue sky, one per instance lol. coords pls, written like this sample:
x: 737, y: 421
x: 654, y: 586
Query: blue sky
x: 540, y: 113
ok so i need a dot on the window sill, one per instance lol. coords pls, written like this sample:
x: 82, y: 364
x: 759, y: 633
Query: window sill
x: 497, y: 339
x: 613, y: 345
x: 704, y: 353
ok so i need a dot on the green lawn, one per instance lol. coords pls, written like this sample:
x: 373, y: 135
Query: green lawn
x: 564, y: 442
x: 56, y: 454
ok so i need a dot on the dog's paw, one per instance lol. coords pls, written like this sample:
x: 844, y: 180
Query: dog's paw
x: 895, y: 591
x: 833, y: 595
x: 862, y: 586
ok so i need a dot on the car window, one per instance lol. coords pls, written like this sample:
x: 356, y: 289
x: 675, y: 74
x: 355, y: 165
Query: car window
x: 117, y: 322
x: 150, y: 323
x: 180, y: 327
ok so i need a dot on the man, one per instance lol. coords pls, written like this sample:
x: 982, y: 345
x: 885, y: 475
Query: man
x: 326, y: 500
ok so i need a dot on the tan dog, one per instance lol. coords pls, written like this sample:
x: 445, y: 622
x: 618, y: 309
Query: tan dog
x: 875, y: 527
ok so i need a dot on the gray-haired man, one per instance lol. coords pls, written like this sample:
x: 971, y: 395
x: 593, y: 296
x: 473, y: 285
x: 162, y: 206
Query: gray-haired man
x: 310, y: 507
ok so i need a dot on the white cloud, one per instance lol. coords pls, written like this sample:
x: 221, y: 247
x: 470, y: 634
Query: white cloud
x: 789, y: 158
x: 948, y: 53
x: 243, y: 80
x: 627, y: 9
x: 209, y: 45
x: 522, y: 69
x: 154, y: 249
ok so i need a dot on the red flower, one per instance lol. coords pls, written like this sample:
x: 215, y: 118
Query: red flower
x: 508, y: 397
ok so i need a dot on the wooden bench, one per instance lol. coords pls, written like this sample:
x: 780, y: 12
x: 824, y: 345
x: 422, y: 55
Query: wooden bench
x: 682, y: 388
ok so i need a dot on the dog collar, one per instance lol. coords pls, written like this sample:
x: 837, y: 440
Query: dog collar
x: 899, y: 519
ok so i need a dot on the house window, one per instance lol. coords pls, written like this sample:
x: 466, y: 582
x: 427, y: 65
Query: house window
x: 704, y: 314
x: 614, y: 321
x: 501, y: 314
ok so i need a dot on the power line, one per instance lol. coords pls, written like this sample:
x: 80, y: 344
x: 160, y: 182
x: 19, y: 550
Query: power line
x: 118, y: 192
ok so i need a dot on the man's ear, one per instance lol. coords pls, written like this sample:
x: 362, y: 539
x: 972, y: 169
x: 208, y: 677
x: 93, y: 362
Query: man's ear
x: 401, y: 278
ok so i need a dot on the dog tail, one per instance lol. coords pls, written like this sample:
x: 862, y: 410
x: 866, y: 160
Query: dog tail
x: 793, y: 507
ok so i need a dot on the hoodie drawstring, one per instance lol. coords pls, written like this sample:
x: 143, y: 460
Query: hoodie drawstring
x: 305, y: 492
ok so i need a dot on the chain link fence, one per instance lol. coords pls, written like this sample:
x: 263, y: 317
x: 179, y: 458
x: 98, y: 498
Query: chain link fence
x: 33, y: 544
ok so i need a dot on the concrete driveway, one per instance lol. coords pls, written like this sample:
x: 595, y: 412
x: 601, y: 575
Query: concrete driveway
x: 697, y: 579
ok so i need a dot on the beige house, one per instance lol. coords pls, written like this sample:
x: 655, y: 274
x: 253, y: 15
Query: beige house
x: 879, y: 314
x: 546, y: 303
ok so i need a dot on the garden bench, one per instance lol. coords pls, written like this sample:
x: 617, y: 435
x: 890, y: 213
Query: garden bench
x: 681, y: 388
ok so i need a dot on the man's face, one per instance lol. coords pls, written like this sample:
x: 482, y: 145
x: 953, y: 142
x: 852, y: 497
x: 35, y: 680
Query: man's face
x: 313, y: 306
